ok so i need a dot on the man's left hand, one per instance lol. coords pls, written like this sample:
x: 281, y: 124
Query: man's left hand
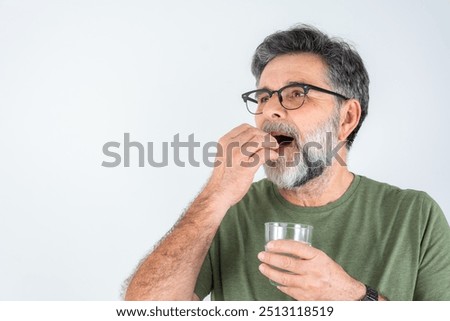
x: 315, y: 275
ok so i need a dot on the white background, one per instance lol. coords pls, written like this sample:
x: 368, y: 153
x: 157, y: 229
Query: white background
x: 77, y: 74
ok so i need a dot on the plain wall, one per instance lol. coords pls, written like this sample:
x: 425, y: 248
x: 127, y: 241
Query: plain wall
x: 75, y: 75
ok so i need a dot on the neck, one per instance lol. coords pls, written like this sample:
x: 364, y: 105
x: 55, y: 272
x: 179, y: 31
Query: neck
x: 327, y: 188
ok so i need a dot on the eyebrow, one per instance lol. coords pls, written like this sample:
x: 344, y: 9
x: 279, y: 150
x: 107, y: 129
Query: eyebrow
x: 287, y: 84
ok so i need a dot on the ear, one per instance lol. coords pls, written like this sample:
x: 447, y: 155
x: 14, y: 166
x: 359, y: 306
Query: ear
x: 350, y: 115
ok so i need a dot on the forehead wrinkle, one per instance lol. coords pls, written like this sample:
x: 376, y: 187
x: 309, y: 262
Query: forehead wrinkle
x: 299, y: 67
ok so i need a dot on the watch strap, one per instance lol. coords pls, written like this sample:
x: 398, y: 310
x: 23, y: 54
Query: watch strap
x: 371, y: 294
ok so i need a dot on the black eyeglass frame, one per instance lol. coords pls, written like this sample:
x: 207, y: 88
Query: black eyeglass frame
x: 306, y: 88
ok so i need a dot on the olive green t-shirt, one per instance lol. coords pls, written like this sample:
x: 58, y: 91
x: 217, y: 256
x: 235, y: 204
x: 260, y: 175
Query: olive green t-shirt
x: 397, y: 241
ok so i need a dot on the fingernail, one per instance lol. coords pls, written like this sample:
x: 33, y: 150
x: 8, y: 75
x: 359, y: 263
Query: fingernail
x: 269, y: 245
x: 261, y: 255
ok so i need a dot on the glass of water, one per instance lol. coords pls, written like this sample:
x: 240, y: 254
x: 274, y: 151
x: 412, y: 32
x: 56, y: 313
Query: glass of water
x: 287, y: 231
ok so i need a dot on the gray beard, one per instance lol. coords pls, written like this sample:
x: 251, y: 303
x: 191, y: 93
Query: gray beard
x: 308, y: 163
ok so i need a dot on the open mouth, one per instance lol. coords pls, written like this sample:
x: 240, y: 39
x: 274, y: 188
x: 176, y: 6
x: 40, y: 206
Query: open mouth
x: 283, y: 139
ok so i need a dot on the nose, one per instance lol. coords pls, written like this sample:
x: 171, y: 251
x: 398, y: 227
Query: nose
x: 273, y: 109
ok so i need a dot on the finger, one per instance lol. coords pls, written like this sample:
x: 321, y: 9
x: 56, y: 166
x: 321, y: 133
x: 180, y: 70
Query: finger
x: 246, y: 144
x: 252, y: 147
x: 254, y: 135
x: 281, y: 261
x: 266, y: 155
x: 299, y: 249
x: 280, y: 277
x: 230, y: 146
x: 260, y: 157
x: 255, y: 150
x: 246, y: 128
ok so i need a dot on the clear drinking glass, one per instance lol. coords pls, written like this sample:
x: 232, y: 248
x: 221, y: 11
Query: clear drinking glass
x: 287, y: 231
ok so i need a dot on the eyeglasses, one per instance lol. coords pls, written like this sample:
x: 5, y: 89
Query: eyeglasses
x: 291, y: 97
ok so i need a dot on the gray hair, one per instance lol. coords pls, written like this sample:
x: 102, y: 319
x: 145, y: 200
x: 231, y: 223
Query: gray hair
x: 346, y: 72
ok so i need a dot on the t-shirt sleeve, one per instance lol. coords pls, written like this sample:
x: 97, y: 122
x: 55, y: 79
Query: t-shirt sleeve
x: 433, y: 279
x: 204, y: 280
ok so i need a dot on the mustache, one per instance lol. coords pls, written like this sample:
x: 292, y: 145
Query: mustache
x: 284, y: 128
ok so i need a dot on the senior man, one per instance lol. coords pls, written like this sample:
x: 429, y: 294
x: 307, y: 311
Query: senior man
x: 372, y: 241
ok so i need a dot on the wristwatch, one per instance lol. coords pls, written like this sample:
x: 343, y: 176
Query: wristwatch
x: 371, y: 294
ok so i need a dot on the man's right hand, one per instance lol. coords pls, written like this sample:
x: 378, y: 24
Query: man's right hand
x: 240, y: 153
x: 171, y: 270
